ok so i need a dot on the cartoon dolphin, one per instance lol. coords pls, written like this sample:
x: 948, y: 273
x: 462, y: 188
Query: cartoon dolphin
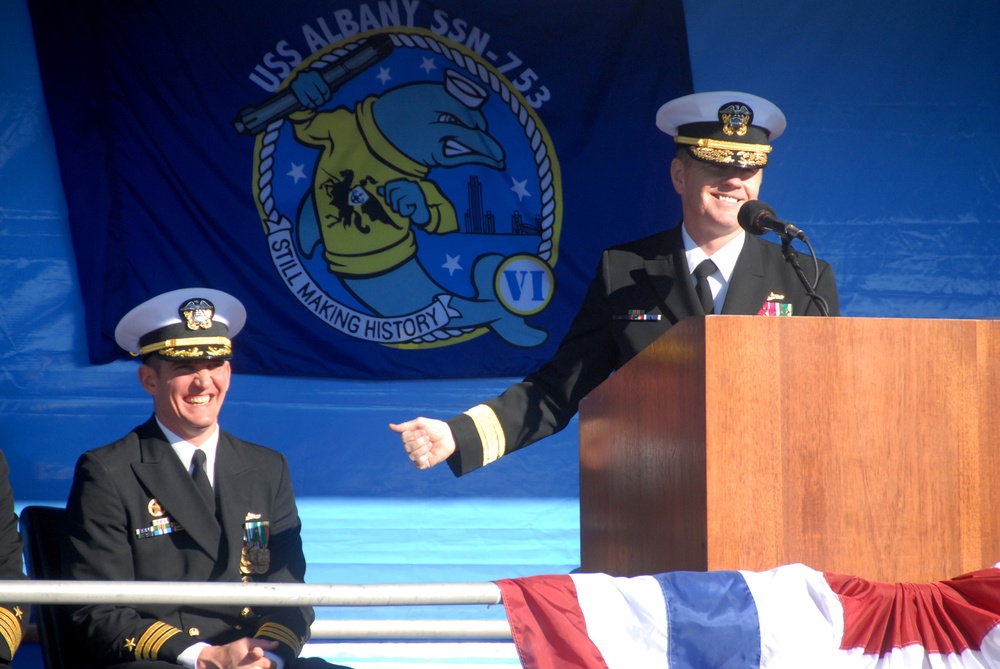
x: 371, y: 186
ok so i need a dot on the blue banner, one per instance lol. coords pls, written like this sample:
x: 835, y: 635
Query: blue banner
x: 395, y: 189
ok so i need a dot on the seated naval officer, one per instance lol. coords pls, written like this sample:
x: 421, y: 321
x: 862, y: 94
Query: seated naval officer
x: 13, y: 617
x: 178, y: 499
x: 705, y: 265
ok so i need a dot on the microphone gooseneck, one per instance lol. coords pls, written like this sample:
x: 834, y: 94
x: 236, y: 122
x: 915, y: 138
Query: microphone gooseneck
x: 759, y: 218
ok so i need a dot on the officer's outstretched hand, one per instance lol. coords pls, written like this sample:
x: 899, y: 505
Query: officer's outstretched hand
x: 427, y: 441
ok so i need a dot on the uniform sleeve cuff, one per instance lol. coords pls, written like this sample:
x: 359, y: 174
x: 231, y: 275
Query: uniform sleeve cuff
x: 189, y: 657
x: 468, y: 455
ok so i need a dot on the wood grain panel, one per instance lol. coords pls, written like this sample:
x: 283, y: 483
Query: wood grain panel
x: 863, y: 446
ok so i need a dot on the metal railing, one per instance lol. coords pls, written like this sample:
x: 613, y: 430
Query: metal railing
x: 289, y: 594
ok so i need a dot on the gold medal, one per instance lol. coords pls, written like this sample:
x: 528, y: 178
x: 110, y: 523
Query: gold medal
x: 263, y: 561
x: 154, y: 508
x: 256, y: 555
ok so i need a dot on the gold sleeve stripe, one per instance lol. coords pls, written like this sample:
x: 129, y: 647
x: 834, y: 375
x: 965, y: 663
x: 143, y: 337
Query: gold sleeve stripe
x: 10, y: 629
x: 281, y: 634
x: 490, y: 432
x: 153, y: 639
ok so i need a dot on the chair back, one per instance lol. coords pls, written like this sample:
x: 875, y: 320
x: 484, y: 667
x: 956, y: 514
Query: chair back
x: 42, y: 530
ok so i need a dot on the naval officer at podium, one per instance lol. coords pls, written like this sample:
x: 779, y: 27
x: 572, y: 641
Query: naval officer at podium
x: 707, y: 264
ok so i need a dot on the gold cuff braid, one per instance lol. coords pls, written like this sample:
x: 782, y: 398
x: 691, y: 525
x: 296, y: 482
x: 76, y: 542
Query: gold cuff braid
x: 152, y: 640
x: 490, y: 431
x: 281, y: 634
x: 10, y: 629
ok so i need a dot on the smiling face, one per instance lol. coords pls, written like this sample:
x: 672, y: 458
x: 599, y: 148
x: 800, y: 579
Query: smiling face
x: 711, y: 196
x: 188, y: 395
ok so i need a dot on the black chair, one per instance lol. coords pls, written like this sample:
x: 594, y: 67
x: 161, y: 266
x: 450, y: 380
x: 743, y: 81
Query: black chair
x: 42, y: 530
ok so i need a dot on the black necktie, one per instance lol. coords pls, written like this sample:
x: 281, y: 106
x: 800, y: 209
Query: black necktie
x: 201, y: 480
x: 701, y: 286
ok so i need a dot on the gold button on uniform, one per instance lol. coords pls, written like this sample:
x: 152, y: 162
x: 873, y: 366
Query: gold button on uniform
x: 194, y: 631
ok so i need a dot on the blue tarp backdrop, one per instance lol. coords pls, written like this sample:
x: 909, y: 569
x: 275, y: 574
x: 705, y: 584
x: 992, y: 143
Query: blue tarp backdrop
x: 889, y: 162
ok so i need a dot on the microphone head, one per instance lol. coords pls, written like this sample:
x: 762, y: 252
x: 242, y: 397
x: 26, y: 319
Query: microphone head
x: 751, y: 215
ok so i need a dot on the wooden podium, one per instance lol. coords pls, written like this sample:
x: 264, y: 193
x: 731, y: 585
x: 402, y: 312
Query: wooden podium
x: 853, y: 445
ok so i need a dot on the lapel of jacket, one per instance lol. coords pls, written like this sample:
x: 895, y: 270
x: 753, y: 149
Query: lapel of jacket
x: 747, y: 285
x: 235, y: 476
x: 162, y: 473
x: 667, y: 270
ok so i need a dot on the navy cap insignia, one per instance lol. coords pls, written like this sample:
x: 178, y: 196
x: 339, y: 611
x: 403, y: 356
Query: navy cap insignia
x: 197, y: 314
x: 735, y: 118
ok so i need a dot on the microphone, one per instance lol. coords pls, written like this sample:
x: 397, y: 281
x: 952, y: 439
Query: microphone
x: 758, y: 218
